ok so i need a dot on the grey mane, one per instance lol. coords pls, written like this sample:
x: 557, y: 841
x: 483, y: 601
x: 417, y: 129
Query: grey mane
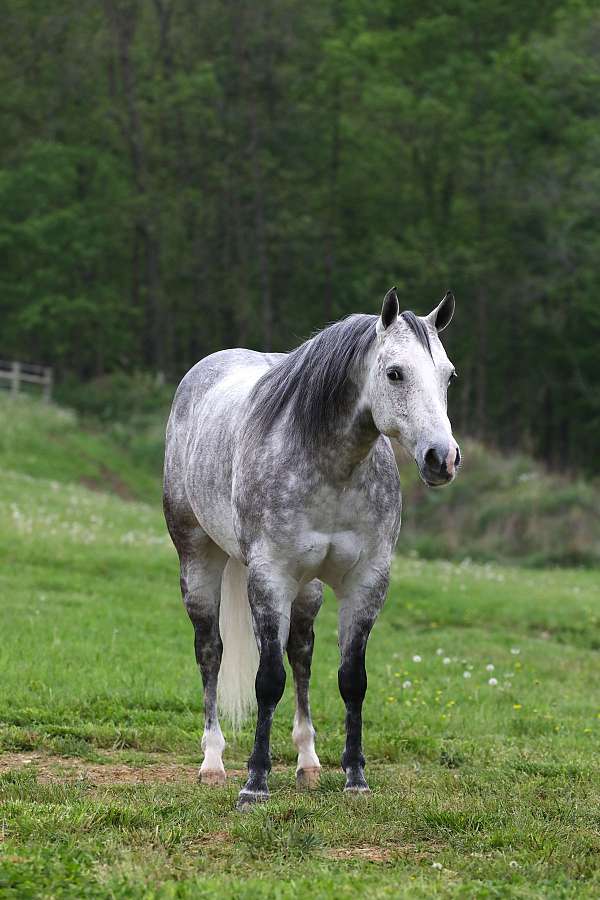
x: 313, y: 382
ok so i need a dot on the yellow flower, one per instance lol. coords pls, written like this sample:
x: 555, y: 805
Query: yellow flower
x: 517, y: 706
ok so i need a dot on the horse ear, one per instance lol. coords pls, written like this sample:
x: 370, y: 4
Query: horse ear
x: 389, y: 311
x: 442, y: 314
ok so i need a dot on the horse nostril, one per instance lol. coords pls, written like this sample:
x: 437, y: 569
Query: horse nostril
x: 457, y: 460
x: 433, y: 460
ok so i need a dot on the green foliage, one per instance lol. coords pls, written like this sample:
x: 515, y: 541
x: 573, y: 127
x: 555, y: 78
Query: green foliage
x: 177, y: 178
x: 118, y: 398
x: 502, y: 507
x: 61, y: 246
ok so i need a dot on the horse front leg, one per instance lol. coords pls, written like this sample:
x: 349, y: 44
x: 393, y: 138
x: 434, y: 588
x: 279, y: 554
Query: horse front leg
x: 270, y: 601
x: 300, y: 650
x: 358, y: 611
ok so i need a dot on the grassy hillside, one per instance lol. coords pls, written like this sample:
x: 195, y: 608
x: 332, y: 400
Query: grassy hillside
x: 486, y: 781
x: 49, y: 442
x: 502, y: 507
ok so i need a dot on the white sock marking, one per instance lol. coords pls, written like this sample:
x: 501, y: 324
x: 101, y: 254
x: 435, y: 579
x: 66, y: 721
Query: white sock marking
x: 303, y: 736
x: 213, y: 744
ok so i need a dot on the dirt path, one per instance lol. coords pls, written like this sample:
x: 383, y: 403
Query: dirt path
x: 57, y: 769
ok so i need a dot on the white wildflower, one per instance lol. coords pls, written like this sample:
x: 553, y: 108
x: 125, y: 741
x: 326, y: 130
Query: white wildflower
x: 406, y: 685
x: 416, y: 658
x: 466, y: 674
x: 490, y: 667
x: 446, y: 660
x: 493, y: 682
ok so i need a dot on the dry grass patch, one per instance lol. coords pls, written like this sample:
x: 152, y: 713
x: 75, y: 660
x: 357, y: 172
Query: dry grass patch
x: 371, y: 854
x: 60, y: 769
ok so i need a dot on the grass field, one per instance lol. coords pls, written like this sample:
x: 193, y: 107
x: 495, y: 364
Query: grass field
x: 479, y: 789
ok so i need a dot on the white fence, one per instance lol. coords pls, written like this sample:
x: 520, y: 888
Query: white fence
x: 13, y: 375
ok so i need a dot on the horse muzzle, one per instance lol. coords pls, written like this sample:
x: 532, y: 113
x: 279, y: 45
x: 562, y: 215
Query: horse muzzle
x: 438, y: 462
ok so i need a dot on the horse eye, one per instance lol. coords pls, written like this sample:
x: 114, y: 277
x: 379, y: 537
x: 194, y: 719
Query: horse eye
x: 395, y: 374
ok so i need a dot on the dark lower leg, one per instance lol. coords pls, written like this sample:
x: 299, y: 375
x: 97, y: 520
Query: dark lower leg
x: 352, y: 680
x: 270, y: 683
x: 270, y: 601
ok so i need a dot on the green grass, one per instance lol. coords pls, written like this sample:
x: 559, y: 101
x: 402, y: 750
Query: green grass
x: 479, y: 790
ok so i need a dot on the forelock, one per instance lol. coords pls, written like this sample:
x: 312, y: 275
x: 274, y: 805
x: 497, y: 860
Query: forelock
x: 418, y: 328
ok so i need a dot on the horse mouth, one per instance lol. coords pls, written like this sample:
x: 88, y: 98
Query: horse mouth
x: 439, y: 481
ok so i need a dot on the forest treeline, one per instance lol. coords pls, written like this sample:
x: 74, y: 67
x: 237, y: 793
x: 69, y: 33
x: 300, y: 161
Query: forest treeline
x: 180, y: 176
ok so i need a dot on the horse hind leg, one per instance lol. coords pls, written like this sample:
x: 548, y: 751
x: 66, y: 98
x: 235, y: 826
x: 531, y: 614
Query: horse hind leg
x: 300, y: 650
x: 202, y: 565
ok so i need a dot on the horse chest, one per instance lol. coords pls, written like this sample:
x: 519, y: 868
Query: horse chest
x: 337, y: 530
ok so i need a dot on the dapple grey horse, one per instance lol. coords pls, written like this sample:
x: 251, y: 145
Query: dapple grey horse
x: 279, y: 475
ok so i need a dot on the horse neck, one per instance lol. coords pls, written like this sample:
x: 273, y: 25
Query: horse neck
x: 353, y: 434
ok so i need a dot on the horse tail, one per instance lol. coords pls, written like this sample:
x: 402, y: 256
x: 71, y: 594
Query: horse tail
x: 239, y: 664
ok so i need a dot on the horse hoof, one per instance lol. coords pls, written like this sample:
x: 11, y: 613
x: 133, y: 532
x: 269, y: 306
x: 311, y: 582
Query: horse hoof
x: 308, y: 779
x: 357, y: 790
x: 247, y: 799
x: 213, y: 777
